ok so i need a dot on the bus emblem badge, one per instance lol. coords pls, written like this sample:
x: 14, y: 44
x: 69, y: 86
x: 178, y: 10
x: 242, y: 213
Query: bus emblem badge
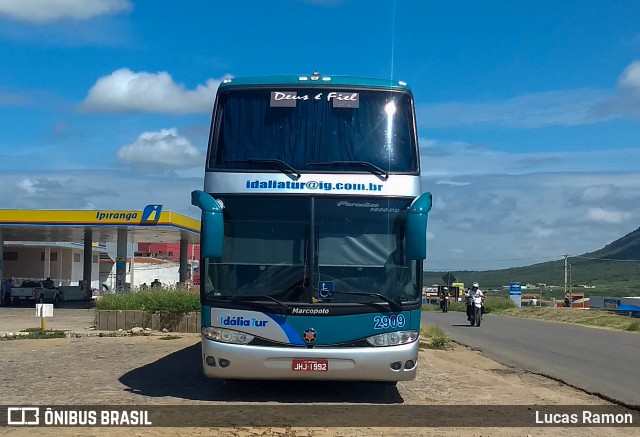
x: 309, y: 335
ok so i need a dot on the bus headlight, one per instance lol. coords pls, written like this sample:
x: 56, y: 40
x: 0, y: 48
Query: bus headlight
x: 393, y: 338
x: 226, y: 335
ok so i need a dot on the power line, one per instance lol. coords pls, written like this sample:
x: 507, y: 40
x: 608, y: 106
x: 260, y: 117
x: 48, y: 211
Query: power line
x: 485, y: 260
x: 606, y: 259
x: 551, y: 258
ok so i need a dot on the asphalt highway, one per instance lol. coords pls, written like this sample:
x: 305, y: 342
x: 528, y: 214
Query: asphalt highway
x: 599, y: 361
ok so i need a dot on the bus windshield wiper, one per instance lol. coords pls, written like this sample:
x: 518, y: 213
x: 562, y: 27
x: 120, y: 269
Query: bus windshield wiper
x: 254, y: 297
x: 395, y: 306
x: 372, y: 167
x: 278, y: 164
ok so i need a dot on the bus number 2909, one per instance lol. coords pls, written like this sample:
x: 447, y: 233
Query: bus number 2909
x: 384, y: 322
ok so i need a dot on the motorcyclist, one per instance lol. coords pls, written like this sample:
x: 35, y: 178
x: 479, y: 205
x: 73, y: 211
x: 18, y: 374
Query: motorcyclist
x: 472, y: 293
x: 444, y: 297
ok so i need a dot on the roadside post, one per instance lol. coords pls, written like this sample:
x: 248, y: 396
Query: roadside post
x: 44, y: 310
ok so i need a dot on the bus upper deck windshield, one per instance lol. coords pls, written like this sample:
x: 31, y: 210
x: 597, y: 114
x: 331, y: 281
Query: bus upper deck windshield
x: 309, y: 128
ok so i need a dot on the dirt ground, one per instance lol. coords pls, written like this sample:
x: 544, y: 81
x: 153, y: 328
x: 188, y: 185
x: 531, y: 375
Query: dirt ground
x: 152, y: 370
x: 161, y: 370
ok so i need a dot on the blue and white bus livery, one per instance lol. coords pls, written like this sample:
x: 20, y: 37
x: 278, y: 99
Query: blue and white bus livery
x: 313, y: 230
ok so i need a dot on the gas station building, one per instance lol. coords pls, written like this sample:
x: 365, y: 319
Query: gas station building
x: 78, y: 236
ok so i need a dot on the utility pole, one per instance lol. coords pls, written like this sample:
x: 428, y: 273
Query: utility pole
x: 570, y: 282
x: 566, y: 257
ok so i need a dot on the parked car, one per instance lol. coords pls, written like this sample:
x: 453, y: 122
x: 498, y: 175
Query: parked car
x: 34, y: 291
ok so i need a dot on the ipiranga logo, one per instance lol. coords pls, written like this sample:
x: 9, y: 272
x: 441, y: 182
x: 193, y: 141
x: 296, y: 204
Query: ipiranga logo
x: 151, y: 213
x: 116, y: 215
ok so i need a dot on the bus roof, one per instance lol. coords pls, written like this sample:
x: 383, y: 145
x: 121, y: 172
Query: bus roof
x: 314, y: 79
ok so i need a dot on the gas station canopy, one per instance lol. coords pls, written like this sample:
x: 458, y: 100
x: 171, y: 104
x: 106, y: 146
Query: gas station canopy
x: 151, y: 225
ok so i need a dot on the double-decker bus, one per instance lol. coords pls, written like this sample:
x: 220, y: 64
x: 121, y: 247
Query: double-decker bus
x: 313, y: 230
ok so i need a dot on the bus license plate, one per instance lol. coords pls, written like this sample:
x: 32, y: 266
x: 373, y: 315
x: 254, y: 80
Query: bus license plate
x: 310, y: 365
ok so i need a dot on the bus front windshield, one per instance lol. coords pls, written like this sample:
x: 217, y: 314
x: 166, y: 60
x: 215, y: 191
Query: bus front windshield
x: 309, y: 128
x: 293, y: 248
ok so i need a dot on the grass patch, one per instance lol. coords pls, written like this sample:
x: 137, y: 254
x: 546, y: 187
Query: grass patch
x: 497, y: 304
x: 36, y: 334
x: 633, y: 326
x: 437, y: 338
x: 491, y: 305
x: 168, y: 301
x: 31, y: 330
x: 599, y: 319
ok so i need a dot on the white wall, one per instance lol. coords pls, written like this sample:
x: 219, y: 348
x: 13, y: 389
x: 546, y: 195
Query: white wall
x: 167, y: 273
x: 63, y: 271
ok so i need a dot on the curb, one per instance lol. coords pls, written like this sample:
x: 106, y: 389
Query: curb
x: 120, y: 333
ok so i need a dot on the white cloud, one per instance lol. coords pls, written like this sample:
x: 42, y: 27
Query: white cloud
x: 46, y: 11
x: 539, y: 232
x: 13, y: 99
x: 128, y: 91
x: 99, y: 189
x: 482, y: 225
x: 630, y: 77
x: 502, y: 220
x: 566, y: 108
x: 606, y: 216
x: 450, y: 182
x: 165, y: 148
x: 550, y: 108
x: 451, y: 161
x: 626, y: 101
x: 596, y: 193
x: 28, y: 185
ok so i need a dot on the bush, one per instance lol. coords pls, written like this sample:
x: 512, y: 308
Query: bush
x: 437, y: 335
x: 170, y: 301
x: 440, y: 343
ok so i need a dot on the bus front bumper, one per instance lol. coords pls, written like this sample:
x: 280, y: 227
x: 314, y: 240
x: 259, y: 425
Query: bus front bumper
x: 232, y: 361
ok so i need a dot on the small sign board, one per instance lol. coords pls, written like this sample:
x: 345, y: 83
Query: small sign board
x: 44, y: 310
x: 515, y: 293
x: 325, y: 289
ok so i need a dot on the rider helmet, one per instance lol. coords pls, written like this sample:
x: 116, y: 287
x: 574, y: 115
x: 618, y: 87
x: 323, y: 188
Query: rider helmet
x: 476, y: 285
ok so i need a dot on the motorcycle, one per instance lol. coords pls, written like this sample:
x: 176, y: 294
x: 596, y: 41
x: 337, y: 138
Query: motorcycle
x: 444, y: 304
x: 476, y: 311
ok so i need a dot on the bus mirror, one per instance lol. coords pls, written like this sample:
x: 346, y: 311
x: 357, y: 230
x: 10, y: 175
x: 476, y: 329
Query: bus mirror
x: 212, y: 224
x: 416, y: 232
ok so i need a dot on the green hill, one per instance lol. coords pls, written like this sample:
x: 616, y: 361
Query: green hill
x: 613, y: 270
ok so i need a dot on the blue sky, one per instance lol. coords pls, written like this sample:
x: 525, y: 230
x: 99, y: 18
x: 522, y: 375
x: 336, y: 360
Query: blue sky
x: 528, y: 112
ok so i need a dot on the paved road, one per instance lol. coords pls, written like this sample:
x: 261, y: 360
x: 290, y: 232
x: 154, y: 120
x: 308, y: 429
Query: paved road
x: 599, y: 361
